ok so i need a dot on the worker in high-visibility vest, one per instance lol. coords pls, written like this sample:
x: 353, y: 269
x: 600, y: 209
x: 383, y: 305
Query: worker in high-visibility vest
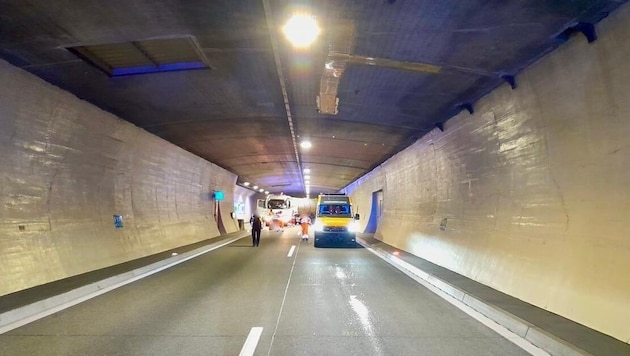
x: 305, y: 221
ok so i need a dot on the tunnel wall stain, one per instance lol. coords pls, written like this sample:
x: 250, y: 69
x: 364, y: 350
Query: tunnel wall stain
x: 530, y: 194
x: 71, y: 173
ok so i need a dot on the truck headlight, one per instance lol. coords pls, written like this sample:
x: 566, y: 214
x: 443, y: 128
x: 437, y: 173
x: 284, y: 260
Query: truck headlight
x: 318, y: 226
x: 353, y: 226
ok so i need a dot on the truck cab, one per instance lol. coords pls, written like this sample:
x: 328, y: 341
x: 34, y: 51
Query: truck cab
x: 335, y: 221
x: 277, y: 209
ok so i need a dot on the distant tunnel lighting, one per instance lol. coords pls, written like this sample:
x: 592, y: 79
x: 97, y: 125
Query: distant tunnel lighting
x: 261, y: 190
x: 266, y: 192
x: 255, y: 187
x: 246, y: 184
x: 306, y: 144
x: 301, y: 30
x: 307, y: 170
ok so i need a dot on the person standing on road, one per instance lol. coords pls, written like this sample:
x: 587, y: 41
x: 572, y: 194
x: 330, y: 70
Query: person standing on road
x: 305, y: 221
x: 256, y: 229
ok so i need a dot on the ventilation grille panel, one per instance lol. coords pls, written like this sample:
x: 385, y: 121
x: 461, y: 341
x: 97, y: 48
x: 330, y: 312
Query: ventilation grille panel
x: 144, y: 56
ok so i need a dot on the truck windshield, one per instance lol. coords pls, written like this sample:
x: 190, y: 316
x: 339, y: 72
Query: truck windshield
x: 277, y: 204
x: 334, y: 210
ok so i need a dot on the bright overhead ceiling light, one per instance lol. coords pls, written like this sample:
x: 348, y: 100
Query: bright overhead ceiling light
x: 307, y: 170
x: 261, y: 190
x: 301, y: 30
x: 306, y: 144
x: 255, y: 187
x: 246, y: 184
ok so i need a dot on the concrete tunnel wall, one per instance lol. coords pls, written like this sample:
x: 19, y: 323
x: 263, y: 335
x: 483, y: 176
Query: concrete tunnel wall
x: 68, y: 167
x: 530, y: 194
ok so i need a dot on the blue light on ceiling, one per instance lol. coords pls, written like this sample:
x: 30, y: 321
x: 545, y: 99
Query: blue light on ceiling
x: 169, y: 67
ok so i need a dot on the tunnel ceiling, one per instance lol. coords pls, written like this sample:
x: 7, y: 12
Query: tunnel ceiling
x: 218, y: 78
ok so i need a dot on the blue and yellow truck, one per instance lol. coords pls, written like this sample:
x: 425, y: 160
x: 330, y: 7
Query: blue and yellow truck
x: 336, y: 223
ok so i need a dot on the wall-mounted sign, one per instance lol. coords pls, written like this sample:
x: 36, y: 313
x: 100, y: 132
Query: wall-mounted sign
x: 239, y: 210
x: 118, y: 221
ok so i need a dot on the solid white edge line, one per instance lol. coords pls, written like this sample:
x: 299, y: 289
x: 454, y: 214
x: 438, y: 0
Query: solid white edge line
x: 419, y: 276
x: 251, y: 342
x: 57, y: 308
x: 291, y: 251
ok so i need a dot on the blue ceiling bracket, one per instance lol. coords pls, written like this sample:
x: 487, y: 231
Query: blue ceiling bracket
x: 466, y: 106
x: 510, y: 79
x: 586, y: 28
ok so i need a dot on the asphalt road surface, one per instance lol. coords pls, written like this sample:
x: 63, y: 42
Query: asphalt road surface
x: 284, y: 297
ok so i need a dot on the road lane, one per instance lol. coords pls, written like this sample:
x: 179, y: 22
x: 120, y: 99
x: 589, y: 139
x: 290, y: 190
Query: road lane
x: 313, y: 302
x: 349, y: 302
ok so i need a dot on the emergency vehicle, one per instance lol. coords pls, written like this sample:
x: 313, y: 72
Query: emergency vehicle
x: 336, y: 224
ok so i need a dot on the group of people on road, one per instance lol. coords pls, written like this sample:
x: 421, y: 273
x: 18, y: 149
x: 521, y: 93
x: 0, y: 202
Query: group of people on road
x: 275, y: 222
x: 256, y: 223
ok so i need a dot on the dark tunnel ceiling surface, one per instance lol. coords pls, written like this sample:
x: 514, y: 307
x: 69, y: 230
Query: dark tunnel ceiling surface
x: 233, y: 113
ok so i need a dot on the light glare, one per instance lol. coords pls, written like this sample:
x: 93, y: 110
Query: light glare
x: 301, y: 30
